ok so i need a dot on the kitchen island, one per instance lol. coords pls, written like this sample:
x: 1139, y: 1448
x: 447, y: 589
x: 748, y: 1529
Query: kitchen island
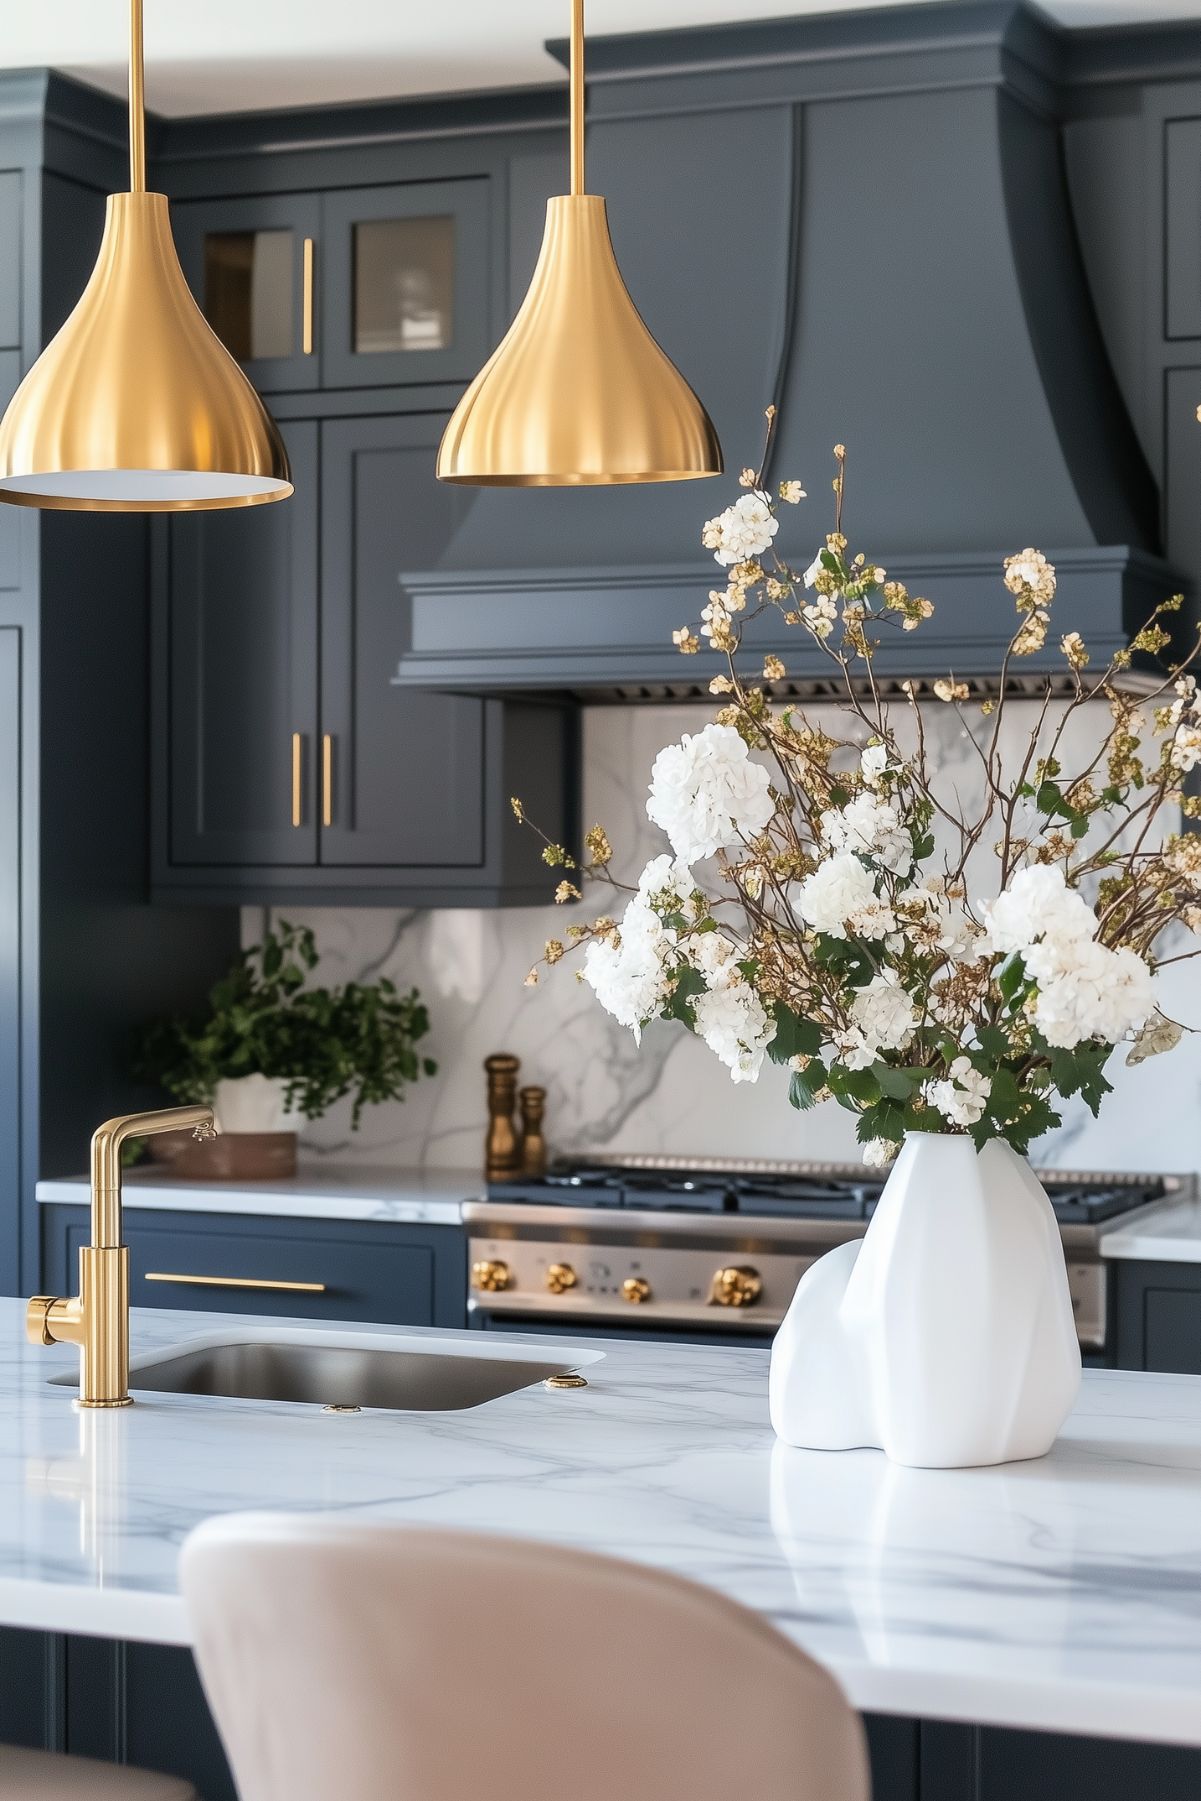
x: 1056, y: 1597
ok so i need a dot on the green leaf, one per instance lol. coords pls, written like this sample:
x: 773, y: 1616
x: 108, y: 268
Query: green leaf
x: 897, y: 1084
x: 795, y: 1036
x: 858, y: 1085
x: 1012, y: 979
x: 993, y: 1042
x: 689, y: 983
x: 804, y: 1085
x: 923, y: 847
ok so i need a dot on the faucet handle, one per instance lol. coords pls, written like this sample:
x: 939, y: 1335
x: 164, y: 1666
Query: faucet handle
x: 206, y: 1129
x: 37, y: 1319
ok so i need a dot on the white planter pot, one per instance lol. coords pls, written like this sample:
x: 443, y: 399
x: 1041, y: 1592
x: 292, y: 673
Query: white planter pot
x: 253, y: 1104
x: 945, y: 1337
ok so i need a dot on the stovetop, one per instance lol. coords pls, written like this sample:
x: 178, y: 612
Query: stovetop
x: 764, y: 1188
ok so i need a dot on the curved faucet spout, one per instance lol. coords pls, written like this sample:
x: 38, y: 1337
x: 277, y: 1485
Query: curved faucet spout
x: 97, y: 1318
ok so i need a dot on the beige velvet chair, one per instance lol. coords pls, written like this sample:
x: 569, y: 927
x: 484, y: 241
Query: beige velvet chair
x: 42, y: 1776
x: 401, y: 1664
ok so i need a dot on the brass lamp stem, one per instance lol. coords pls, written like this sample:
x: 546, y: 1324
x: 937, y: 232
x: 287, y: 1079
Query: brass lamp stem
x: 137, y: 101
x: 577, y: 96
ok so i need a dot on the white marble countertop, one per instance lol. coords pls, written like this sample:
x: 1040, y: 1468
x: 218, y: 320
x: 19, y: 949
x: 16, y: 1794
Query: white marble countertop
x: 1169, y: 1233
x: 431, y: 1197
x: 1063, y: 1594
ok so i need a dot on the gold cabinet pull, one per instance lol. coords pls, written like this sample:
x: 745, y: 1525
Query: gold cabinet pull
x: 162, y: 1275
x: 297, y: 778
x: 306, y: 316
x: 327, y: 779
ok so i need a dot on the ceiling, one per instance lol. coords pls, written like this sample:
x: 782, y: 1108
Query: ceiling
x: 235, y: 55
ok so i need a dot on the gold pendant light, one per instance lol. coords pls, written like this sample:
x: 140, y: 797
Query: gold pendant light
x: 136, y: 406
x: 578, y: 392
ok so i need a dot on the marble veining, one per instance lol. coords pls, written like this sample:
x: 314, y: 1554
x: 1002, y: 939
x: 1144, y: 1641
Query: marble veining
x: 671, y: 1096
x: 424, y: 1197
x: 1063, y: 1593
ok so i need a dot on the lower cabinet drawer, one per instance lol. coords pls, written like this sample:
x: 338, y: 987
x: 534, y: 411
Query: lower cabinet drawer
x: 309, y: 1269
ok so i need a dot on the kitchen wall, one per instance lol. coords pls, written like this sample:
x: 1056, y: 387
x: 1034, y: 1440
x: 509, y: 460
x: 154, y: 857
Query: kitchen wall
x: 672, y: 1095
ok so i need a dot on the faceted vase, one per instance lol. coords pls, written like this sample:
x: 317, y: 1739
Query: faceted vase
x: 944, y: 1337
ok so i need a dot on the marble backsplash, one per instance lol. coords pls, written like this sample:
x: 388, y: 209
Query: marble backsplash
x: 672, y: 1096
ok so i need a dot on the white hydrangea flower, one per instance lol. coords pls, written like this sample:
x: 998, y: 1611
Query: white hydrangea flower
x: 873, y: 827
x: 1037, y: 901
x: 744, y: 530
x: 667, y: 883
x: 714, y: 956
x: 734, y: 1024
x: 884, y: 1014
x: 839, y: 889
x: 873, y: 763
x: 1186, y: 747
x: 821, y: 616
x: 874, y: 919
x: 878, y: 1153
x: 707, y: 794
x: 632, y: 979
x: 1086, y: 990
x: 962, y: 1097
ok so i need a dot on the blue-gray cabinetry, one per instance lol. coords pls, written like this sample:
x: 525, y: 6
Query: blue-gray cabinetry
x: 291, y: 766
x: 1159, y: 1316
x: 319, y: 1269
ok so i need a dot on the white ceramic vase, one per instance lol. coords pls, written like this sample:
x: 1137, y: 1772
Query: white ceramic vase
x: 253, y: 1104
x: 945, y: 1336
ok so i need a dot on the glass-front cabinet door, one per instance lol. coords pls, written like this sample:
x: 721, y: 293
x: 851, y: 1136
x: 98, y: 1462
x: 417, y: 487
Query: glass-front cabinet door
x: 252, y: 265
x: 405, y: 279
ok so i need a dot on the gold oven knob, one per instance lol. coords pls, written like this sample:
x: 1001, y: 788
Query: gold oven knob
x: 736, y: 1287
x: 636, y: 1289
x: 560, y: 1277
x: 490, y: 1274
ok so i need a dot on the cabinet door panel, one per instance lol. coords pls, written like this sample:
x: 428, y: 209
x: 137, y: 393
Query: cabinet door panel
x: 243, y: 677
x: 405, y: 279
x: 406, y: 768
x: 10, y: 958
x: 252, y: 266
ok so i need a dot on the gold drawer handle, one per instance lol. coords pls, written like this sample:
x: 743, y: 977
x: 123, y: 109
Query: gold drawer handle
x: 327, y: 779
x: 159, y: 1275
x: 306, y: 330
x: 297, y: 779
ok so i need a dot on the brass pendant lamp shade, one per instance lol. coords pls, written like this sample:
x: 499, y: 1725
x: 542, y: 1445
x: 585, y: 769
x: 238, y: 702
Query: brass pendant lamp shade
x: 136, y: 406
x: 578, y: 392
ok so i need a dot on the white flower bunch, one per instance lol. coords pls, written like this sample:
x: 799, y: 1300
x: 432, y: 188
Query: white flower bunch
x: 852, y: 927
x: 707, y: 795
x: 744, y: 530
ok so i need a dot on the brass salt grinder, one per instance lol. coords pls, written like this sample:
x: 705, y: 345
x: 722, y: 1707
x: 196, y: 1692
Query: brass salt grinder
x: 533, y: 1145
x: 502, y: 1149
x: 508, y: 1152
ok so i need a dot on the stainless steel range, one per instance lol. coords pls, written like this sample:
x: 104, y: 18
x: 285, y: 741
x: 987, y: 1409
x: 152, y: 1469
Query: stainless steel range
x: 707, y: 1247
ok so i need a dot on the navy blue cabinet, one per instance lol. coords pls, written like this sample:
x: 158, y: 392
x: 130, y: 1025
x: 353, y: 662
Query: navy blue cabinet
x: 360, y: 287
x: 239, y: 707
x: 252, y: 265
x: 291, y: 766
x: 316, y: 1269
x: 1159, y: 1317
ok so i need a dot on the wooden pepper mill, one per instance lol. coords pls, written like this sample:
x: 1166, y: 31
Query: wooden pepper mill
x: 502, y: 1147
x: 533, y: 1144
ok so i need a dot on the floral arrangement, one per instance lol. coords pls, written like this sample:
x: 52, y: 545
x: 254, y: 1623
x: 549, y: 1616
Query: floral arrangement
x: 929, y: 969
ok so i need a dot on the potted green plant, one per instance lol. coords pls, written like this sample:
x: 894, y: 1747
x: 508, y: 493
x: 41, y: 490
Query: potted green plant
x: 273, y: 1049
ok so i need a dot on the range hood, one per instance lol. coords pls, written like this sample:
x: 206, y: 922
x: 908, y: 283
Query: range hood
x: 871, y: 227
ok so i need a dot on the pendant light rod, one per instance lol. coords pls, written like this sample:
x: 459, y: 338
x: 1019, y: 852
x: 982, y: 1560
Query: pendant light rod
x: 577, y: 96
x: 137, y: 101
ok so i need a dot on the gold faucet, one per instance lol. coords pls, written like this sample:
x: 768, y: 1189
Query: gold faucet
x: 97, y: 1318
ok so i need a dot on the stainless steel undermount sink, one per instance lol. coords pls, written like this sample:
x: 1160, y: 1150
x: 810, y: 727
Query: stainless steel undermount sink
x: 345, y: 1372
